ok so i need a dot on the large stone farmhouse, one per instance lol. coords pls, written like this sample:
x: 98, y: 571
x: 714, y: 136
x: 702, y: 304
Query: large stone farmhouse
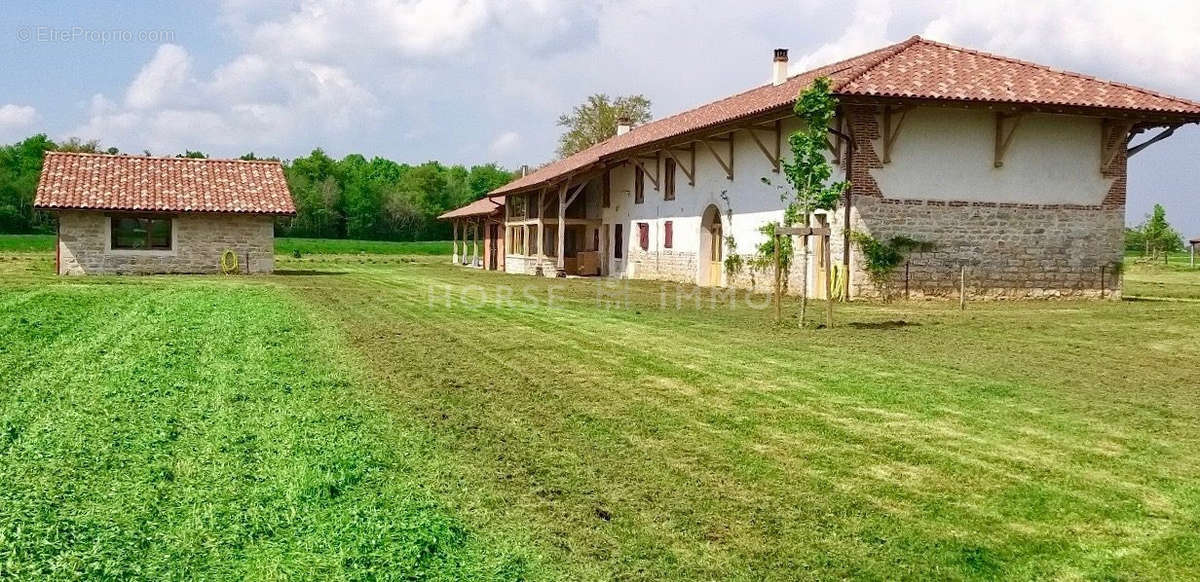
x: 1015, y: 171
x: 141, y: 215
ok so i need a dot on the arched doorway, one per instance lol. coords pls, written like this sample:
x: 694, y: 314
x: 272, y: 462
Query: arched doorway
x: 711, y: 245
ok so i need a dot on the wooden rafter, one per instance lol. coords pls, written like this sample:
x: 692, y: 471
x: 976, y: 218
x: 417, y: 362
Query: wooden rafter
x: 836, y: 146
x: 890, y: 133
x: 725, y: 165
x: 1164, y: 134
x: 1114, y: 136
x: 575, y: 194
x: 1004, y: 138
x: 688, y: 170
x: 653, y: 178
x: 772, y: 153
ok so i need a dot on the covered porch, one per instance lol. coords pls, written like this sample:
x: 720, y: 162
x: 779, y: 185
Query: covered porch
x: 481, y: 219
x: 556, y: 230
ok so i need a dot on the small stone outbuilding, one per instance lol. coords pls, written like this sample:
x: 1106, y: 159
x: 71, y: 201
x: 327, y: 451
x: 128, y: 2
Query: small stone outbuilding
x: 143, y: 215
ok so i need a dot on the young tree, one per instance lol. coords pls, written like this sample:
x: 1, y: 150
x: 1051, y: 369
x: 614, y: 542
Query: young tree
x: 1157, y: 234
x: 808, y: 173
x: 596, y: 120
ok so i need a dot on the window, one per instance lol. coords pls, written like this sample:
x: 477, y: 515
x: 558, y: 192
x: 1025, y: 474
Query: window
x: 644, y: 236
x: 668, y: 235
x: 669, y: 179
x: 605, y: 191
x: 639, y: 185
x: 618, y: 240
x: 141, y: 233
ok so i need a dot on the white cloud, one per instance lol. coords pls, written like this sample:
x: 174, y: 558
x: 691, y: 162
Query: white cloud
x: 323, y: 28
x: 867, y: 31
x: 505, y: 144
x: 17, y: 116
x: 251, y: 102
x: 1151, y: 42
x: 160, y: 79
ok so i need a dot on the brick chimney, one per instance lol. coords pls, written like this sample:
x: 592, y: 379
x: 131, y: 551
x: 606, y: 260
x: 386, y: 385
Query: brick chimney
x: 779, y: 68
x: 623, y: 125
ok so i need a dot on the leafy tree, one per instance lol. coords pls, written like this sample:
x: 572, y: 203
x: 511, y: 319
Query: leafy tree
x: 488, y: 177
x: 193, y: 154
x: 1156, y: 234
x: 20, y: 168
x: 596, y: 120
x: 76, y: 145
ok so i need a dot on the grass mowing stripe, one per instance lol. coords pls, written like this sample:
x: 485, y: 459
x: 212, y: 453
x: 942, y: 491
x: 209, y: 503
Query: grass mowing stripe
x: 842, y: 452
x: 214, y: 436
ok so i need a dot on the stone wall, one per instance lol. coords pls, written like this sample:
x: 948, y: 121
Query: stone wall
x: 197, y: 245
x: 664, y: 265
x: 1009, y: 250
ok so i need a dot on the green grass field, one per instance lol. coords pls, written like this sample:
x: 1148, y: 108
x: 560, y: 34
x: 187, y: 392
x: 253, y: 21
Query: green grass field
x: 283, y: 246
x: 417, y: 419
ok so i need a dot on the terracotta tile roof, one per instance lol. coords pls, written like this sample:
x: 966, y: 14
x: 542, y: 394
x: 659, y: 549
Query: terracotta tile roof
x: 481, y: 207
x: 149, y: 184
x: 914, y: 69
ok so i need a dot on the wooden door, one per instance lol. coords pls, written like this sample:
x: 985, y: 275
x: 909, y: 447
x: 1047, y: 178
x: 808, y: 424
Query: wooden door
x: 717, y: 264
x: 820, y: 285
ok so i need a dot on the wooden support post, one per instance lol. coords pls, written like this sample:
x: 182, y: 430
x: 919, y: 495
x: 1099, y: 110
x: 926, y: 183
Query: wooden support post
x: 778, y: 287
x: 1003, y: 140
x: 562, y: 230
x: 1103, y: 271
x: 906, y: 279
x: 541, y: 226
x: 454, y: 243
x: 474, y: 243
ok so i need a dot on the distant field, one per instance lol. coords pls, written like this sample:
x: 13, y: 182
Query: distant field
x: 284, y: 246
x: 25, y: 243
x: 365, y: 418
x: 324, y: 246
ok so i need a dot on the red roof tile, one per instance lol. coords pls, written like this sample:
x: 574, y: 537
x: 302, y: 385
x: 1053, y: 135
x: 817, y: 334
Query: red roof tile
x: 481, y: 207
x: 915, y: 69
x: 141, y: 183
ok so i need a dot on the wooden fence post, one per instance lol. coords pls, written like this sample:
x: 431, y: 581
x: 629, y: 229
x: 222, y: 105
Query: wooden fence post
x: 962, y: 289
x: 778, y: 302
x: 829, y: 284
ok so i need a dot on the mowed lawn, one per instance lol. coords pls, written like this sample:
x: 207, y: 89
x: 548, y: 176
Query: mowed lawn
x: 575, y: 430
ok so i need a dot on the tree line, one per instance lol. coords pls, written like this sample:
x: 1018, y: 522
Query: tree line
x: 354, y: 197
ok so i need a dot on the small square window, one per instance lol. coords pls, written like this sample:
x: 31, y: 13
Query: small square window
x: 140, y: 233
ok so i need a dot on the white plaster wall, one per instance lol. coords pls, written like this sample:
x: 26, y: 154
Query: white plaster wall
x: 753, y: 202
x: 948, y: 154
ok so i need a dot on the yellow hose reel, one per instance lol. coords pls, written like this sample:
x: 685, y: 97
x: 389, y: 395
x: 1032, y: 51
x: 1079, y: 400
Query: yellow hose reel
x: 229, y: 262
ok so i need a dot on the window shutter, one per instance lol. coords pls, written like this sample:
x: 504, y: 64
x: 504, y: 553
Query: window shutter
x: 639, y: 185
x: 644, y: 236
x: 668, y: 234
x: 669, y: 179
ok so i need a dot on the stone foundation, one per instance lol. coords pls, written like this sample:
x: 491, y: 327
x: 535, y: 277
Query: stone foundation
x: 198, y: 243
x: 665, y: 265
x: 1009, y: 250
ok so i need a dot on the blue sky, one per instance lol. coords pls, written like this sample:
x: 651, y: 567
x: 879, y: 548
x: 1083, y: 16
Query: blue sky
x: 471, y: 81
